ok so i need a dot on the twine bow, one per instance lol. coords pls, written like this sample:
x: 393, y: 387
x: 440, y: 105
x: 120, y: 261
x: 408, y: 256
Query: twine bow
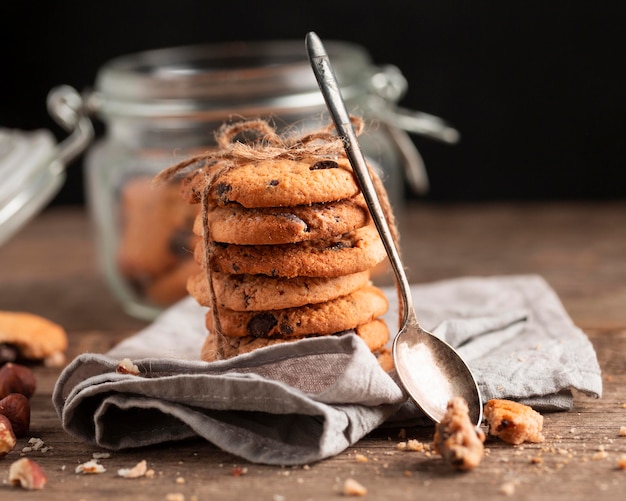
x: 266, y: 144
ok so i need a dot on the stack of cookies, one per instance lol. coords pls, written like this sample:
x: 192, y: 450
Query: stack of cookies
x: 286, y: 249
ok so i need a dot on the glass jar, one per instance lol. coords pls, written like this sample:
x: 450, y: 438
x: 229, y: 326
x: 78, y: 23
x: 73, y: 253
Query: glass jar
x: 163, y: 105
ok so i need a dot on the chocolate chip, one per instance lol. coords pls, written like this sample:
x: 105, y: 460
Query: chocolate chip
x: 274, y: 182
x: 8, y: 353
x: 338, y: 246
x: 286, y: 329
x: 222, y: 189
x: 324, y: 164
x: 295, y: 219
x: 261, y: 324
x: 504, y: 424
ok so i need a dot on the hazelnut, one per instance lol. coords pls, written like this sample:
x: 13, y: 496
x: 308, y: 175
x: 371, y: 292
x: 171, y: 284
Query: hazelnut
x: 7, y: 437
x: 27, y: 474
x: 16, y: 378
x: 16, y: 408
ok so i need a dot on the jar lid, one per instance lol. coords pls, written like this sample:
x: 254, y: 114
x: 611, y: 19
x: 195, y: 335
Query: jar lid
x: 31, y: 176
x: 205, y: 81
x: 32, y: 164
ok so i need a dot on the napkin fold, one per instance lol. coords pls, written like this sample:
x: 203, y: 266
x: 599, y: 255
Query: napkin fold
x: 301, y: 402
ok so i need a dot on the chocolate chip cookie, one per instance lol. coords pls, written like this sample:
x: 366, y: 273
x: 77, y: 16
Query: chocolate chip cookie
x: 356, y: 251
x: 260, y: 292
x: 278, y: 182
x: 375, y: 334
x: 329, y: 317
x: 234, y: 224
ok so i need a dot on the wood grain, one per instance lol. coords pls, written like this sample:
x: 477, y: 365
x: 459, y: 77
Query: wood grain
x: 580, y: 249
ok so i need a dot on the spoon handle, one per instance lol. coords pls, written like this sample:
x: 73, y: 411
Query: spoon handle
x: 329, y: 87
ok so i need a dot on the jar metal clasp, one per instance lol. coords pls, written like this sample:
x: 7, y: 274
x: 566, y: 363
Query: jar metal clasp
x: 388, y: 85
x: 32, y: 164
x: 67, y: 108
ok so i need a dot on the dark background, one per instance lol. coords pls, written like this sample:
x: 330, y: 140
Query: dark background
x: 536, y: 89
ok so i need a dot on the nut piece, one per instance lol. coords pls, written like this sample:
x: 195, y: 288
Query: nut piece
x: 139, y: 470
x: 126, y: 366
x: 513, y: 422
x: 457, y: 439
x: 27, y: 474
x: 7, y: 437
x: 16, y: 378
x: 16, y: 408
x: 90, y: 467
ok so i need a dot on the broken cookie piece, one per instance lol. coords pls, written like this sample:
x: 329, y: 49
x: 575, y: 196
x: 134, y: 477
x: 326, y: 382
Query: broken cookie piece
x: 457, y: 439
x: 33, y: 337
x: 513, y: 422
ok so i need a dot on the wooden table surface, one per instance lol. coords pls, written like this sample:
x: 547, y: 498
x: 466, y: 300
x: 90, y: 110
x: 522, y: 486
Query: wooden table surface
x: 50, y: 269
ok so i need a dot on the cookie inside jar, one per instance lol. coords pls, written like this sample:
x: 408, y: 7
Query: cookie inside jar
x: 284, y: 243
x: 156, y: 240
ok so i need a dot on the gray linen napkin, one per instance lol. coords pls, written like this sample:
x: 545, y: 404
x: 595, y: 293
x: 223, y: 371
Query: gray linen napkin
x: 301, y: 402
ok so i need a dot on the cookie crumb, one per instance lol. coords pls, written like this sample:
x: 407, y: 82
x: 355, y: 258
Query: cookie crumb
x: 622, y: 431
x: 353, y: 488
x: 417, y: 446
x: 401, y: 446
x: 621, y: 462
x: 602, y: 454
x: 512, y: 422
x: 508, y: 489
x: 457, y: 439
x: 360, y: 458
x: 174, y: 496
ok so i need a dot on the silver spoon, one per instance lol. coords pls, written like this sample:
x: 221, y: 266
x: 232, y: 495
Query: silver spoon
x: 430, y: 370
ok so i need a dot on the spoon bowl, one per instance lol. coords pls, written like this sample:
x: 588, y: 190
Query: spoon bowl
x: 432, y: 372
x: 429, y: 369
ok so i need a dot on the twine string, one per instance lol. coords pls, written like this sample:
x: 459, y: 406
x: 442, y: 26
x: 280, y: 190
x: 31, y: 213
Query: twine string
x: 262, y: 143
